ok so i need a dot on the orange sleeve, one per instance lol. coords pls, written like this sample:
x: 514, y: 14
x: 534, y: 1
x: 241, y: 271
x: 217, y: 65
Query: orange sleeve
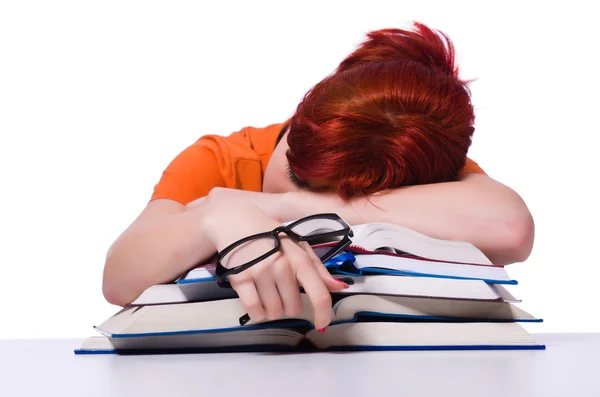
x: 471, y: 167
x: 192, y: 174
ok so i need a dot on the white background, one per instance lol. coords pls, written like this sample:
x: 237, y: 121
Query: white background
x: 97, y: 97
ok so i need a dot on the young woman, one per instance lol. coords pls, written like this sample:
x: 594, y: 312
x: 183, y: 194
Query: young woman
x: 383, y: 138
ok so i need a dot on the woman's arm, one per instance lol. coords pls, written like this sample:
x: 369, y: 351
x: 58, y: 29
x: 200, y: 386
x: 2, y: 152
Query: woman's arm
x: 160, y: 245
x: 167, y: 239
x: 475, y: 209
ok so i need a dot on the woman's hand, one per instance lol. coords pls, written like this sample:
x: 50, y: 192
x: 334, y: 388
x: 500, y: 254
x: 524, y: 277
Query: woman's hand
x: 271, y: 288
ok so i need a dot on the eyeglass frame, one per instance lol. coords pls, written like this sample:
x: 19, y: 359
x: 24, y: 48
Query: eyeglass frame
x: 221, y: 273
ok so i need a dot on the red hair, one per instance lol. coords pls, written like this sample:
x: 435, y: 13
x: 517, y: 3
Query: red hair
x: 394, y: 113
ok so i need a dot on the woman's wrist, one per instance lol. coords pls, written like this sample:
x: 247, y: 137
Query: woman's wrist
x: 284, y: 207
x: 273, y: 204
x: 295, y: 205
x: 203, y: 213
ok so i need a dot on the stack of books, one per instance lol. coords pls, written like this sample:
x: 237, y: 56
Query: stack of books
x: 407, y: 292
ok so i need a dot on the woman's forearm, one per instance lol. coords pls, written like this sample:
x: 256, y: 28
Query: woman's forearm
x: 476, y: 209
x: 155, y: 251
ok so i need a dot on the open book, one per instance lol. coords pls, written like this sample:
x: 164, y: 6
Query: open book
x: 359, y: 322
x: 379, y: 236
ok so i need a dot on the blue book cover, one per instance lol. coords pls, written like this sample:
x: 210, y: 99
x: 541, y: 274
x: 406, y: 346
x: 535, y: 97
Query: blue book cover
x: 347, y: 263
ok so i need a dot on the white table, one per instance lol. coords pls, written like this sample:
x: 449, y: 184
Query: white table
x: 569, y: 367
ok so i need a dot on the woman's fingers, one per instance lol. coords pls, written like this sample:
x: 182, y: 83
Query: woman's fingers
x: 268, y: 293
x: 331, y: 282
x: 315, y: 288
x: 288, y: 288
x: 249, y: 297
x: 271, y: 288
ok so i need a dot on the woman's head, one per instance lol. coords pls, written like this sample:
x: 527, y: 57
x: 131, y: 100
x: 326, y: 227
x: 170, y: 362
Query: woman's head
x: 394, y: 113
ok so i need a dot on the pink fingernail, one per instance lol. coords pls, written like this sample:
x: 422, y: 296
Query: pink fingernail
x: 322, y: 330
x: 343, y: 283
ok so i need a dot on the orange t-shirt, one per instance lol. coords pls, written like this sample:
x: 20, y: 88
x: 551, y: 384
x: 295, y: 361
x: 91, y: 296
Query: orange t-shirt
x: 236, y: 161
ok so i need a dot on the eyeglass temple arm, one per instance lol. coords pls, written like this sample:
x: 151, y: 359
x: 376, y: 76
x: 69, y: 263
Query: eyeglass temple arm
x: 336, y: 249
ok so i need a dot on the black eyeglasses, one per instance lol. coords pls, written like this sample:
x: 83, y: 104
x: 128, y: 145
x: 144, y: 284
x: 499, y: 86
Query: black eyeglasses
x: 313, y: 229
